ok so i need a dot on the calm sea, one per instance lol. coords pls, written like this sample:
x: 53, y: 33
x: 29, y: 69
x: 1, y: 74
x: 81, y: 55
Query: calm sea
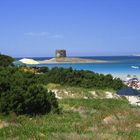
x: 120, y: 66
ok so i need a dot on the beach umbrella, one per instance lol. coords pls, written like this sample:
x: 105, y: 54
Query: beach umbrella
x: 128, y: 92
x: 29, y: 61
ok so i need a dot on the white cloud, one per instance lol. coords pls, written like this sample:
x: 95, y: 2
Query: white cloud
x: 44, y: 34
x: 36, y: 34
x: 57, y: 36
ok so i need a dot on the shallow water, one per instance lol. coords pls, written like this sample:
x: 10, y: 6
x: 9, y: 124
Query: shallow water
x: 119, y: 66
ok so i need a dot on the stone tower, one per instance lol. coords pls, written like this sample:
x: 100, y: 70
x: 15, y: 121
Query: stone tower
x: 60, y: 53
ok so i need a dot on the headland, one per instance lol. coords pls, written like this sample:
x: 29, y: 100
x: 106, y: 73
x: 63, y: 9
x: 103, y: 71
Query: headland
x: 70, y: 60
x: 61, y: 58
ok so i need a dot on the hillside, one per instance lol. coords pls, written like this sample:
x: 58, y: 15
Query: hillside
x: 80, y: 119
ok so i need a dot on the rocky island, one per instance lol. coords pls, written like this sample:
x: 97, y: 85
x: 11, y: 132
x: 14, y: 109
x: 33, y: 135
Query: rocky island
x: 61, y: 58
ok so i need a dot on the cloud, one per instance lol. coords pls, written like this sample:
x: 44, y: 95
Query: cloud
x: 57, y: 36
x: 44, y: 34
x: 36, y: 34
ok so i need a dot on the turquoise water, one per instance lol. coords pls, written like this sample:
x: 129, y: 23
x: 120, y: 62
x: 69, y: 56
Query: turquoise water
x: 119, y: 66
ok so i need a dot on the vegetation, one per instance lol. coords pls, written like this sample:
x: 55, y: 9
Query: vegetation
x: 43, y: 69
x: 80, y: 120
x: 80, y: 78
x: 20, y: 93
x: 24, y: 96
x: 5, y: 60
x: 76, y: 78
x: 79, y: 92
x: 23, y: 92
x: 28, y: 69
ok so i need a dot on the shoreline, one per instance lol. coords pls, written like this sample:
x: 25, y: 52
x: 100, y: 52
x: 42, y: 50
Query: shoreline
x: 67, y: 60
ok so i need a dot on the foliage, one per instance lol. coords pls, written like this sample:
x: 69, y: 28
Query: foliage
x: 43, y: 69
x: 28, y: 69
x: 81, y: 119
x: 20, y: 93
x: 80, y: 78
x: 5, y: 60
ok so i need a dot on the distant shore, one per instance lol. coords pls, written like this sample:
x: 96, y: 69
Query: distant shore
x: 67, y: 60
x: 135, y: 55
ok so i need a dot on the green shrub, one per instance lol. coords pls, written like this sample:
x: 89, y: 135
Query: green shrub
x: 5, y: 60
x: 80, y: 78
x: 43, y: 69
x: 20, y: 93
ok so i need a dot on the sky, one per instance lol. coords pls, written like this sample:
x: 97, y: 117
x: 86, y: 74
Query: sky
x: 36, y: 28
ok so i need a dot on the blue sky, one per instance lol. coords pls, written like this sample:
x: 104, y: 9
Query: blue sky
x: 82, y: 27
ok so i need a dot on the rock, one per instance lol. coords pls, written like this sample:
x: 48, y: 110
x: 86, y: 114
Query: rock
x: 31, y: 119
x: 58, y: 97
x: 109, y: 95
x: 138, y: 125
x: 93, y: 93
x: 85, y: 97
x: 66, y: 92
x: 3, y: 124
x: 42, y: 135
x: 110, y: 120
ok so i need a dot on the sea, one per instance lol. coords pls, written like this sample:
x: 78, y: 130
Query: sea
x: 117, y: 66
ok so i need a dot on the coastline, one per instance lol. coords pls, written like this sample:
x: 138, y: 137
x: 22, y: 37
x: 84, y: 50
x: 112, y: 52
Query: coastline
x: 67, y: 60
x: 118, y: 66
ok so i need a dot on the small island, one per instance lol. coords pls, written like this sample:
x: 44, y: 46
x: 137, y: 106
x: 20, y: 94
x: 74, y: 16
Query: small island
x: 61, y: 58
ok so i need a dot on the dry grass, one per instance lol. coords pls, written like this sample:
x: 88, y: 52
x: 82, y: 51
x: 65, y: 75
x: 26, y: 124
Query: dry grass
x: 81, y: 119
x: 77, y: 92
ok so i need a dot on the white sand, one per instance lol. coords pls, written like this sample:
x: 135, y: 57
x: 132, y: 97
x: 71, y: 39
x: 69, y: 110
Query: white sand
x: 133, y: 100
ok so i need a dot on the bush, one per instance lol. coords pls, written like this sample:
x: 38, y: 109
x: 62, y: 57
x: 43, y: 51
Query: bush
x: 6, y: 60
x: 39, y: 101
x: 20, y: 93
x: 80, y: 78
x: 43, y: 69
